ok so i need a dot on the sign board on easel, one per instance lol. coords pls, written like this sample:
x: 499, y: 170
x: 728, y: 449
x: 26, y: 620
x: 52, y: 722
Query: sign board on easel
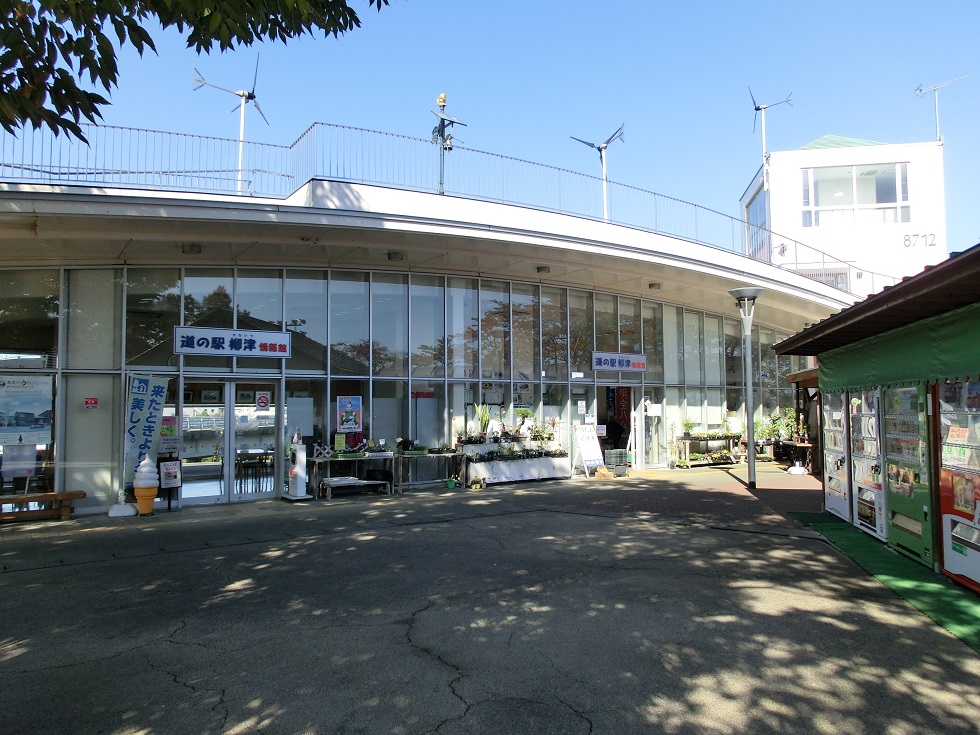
x: 587, y: 450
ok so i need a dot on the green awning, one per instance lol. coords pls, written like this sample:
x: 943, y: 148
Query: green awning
x: 944, y: 347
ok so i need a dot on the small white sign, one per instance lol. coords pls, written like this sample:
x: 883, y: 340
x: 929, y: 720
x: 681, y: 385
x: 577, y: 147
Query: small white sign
x: 581, y: 408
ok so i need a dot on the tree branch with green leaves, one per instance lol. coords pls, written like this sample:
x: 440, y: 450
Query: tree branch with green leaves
x: 55, y: 54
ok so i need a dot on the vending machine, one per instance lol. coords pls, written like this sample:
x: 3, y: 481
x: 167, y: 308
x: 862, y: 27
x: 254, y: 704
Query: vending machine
x: 907, y: 493
x: 836, y: 480
x: 959, y: 481
x: 868, y: 494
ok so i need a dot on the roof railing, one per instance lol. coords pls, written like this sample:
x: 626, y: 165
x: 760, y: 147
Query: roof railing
x: 153, y: 159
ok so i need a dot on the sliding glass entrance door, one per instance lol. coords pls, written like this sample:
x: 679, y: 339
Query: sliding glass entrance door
x: 230, y: 444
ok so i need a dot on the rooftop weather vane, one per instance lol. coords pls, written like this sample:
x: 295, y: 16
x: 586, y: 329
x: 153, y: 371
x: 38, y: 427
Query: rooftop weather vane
x: 245, y: 98
x: 601, y: 148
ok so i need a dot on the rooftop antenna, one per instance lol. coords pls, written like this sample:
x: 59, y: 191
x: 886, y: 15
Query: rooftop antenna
x: 245, y: 98
x: 601, y: 147
x: 762, y: 108
x: 922, y: 91
x: 443, y: 135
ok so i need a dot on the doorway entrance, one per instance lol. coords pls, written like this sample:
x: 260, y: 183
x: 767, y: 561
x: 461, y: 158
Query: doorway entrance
x: 230, y: 442
x: 633, y: 421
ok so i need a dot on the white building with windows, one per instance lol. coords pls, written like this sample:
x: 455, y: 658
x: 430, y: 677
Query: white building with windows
x: 878, y: 207
x: 387, y: 310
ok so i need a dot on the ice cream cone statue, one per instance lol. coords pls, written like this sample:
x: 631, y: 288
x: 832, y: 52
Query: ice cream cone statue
x: 145, y: 486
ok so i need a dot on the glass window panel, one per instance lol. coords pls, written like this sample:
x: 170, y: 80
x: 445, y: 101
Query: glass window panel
x: 714, y: 351
x: 606, y: 330
x: 389, y: 319
x: 903, y: 176
x: 462, y: 397
x: 554, y: 333
x: 340, y: 390
x: 876, y: 184
x: 672, y: 344
x: 554, y: 411
x: 29, y: 306
x: 694, y: 407
x: 307, y: 409
x: 306, y: 318
x: 496, y: 396
x: 768, y: 374
x: 258, y: 306
x: 207, y: 303
x: 152, y: 312
x: 714, y: 415
x: 349, y: 306
x: 734, y: 354
x: 693, y: 348
x: 461, y: 327
x: 94, y: 319
x: 429, y: 416
x: 581, y: 327
x: 806, y: 187
x: 526, y: 331
x: 389, y: 415
x: 494, y: 329
x: 653, y: 348
x: 428, y: 326
x: 629, y: 325
x: 832, y: 186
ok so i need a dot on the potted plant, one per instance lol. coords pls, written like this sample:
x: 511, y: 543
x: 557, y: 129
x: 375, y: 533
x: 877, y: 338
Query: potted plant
x: 482, y: 411
x: 688, y: 424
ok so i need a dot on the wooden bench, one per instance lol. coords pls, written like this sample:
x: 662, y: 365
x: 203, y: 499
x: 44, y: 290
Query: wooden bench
x: 58, y: 505
x: 350, y: 483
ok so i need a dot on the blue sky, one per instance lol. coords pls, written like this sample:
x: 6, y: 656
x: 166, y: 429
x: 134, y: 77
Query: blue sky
x: 525, y: 76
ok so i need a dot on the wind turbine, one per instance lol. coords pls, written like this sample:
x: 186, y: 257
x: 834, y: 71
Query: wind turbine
x: 920, y: 91
x: 762, y: 108
x: 245, y: 98
x: 601, y: 147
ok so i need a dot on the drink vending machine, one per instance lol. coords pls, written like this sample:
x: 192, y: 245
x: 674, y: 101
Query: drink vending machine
x: 836, y: 481
x: 868, y: 495
x: 959, y: 481
x: 907, y: 487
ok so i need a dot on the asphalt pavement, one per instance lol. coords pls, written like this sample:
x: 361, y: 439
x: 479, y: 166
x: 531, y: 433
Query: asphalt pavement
x: 667, y: 602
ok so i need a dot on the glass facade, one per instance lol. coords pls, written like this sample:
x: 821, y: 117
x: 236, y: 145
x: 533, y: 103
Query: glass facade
x: 415, y: 353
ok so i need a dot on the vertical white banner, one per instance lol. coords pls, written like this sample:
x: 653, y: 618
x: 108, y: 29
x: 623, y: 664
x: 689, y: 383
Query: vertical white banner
x: 146, y: 396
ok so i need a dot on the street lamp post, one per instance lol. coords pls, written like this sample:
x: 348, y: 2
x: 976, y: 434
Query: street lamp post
x: 745, y: 300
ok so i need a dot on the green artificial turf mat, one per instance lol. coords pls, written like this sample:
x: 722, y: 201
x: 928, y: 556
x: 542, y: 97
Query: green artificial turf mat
x: 952, y: 606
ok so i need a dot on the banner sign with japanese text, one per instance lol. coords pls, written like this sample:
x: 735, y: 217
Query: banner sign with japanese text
x: 145, y: 399
x: 624, y: 362
x: 231, y: 342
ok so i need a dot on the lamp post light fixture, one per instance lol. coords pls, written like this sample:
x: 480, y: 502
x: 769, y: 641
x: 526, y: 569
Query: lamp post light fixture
x: 745, y: 300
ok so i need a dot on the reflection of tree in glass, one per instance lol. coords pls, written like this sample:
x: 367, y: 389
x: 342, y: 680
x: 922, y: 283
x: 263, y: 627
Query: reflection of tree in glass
x: 29, y: 312
x: 353, y: 358
x: 495, y: 336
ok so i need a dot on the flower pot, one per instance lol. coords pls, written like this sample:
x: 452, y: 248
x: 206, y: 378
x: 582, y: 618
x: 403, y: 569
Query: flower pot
x: 450, y: 483
x: 144, y: 499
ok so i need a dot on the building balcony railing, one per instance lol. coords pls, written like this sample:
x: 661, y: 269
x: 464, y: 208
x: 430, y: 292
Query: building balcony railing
x: 151, y: 159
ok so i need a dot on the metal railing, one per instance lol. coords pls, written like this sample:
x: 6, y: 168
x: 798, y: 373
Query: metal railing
x: 150, y: 159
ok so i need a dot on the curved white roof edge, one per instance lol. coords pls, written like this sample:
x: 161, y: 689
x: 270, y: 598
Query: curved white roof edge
x: 413, y: 216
